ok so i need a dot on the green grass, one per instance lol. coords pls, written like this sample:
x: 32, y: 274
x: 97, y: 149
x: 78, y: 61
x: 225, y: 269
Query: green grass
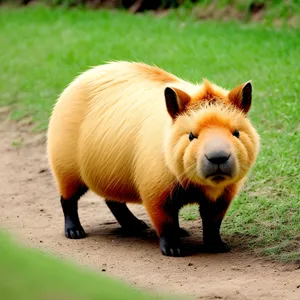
x: 29, y: 274
x: 43, y: 50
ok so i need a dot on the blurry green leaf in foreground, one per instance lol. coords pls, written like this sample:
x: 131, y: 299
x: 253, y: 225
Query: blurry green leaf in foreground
x: 28, y: 274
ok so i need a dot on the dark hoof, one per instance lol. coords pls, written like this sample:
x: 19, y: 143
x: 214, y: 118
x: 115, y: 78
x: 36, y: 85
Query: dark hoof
x: 220, y: 247
x: 137, y: 226
x: 170, y: 248
x: 183, y: 232
x: 75, y: 233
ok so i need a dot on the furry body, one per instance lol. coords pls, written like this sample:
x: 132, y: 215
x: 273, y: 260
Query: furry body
x: 118, y: 130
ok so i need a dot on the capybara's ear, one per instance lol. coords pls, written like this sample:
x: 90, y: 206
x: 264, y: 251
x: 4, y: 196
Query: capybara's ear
x: 241, y: 96
x: 176, y: 101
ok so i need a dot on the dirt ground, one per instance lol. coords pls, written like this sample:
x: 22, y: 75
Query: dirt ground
x: 31, y: 212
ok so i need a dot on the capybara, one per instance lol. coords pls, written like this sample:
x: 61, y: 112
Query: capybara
x: 131, y: 132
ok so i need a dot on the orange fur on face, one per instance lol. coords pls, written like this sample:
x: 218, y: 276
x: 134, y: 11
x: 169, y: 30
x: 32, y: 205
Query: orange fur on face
x: 206, y: 122
x: 113, y: 131
x: 212, y: 114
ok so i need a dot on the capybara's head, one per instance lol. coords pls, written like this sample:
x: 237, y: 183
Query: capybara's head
x: 211, y: 141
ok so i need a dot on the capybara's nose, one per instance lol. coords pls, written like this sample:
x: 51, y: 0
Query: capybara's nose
x: 218, y: 157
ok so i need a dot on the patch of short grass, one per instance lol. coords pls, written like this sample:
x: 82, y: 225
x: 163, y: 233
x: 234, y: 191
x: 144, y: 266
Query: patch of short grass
x: 30, y: 274
x: 189, y: 212
x: 44, y: 49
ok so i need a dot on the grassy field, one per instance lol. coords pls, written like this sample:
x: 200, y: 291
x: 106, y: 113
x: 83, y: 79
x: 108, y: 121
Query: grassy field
x: 28, y: 274
x: 43, y: 50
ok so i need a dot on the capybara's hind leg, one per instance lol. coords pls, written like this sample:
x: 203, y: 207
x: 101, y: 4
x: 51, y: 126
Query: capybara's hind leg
x: 125, y: 217
x: 73, y: 228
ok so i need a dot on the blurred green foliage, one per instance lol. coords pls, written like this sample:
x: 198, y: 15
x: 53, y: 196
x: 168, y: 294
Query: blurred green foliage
x: 30, y: 274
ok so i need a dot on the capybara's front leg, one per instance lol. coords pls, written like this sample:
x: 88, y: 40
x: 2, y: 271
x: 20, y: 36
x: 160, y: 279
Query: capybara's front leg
x: 165, y: 220
x: 212, y: 214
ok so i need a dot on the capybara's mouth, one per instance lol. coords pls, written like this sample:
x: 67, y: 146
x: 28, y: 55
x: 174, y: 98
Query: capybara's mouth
x: 218, y: 175
x: 218, y: 178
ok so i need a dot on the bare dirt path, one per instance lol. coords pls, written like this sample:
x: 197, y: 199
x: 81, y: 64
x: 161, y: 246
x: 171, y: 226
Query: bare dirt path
x: 30, y: 211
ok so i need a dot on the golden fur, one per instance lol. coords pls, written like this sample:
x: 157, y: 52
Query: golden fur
x: 110, y: 131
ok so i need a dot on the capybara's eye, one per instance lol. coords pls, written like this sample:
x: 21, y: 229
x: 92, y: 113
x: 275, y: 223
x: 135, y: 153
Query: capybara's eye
x: 236, y: 133
x: 191, y: 136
